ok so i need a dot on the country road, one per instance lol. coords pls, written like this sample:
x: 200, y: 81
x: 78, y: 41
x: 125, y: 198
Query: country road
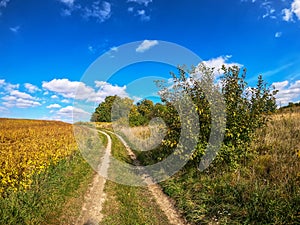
x: 91, y: 212
x: 95, y: 196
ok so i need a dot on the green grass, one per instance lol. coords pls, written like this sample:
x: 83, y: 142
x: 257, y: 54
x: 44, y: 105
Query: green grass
x: 128, y: 205
x: 55, y: 197
x: 265, y: 190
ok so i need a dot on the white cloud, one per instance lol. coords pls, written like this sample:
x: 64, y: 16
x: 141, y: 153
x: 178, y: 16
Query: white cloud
x: 269, y: 10
x: 100, y: 12
x: 288, y: 92
x: 3, y: 3
x: 146, y: 45
x: 80, y: 91
x: 13, y: 101
x: 65, y: 101
x: 68, y: 89
x: 22, y: 95
x: 91, y: 49
x: 278, y: 34
x: 9, y: 98
x: 73, y: 112
x: 105, y: 89
x: 143, y: 15
x: 67, y: 2
x: 130, y: 9
x: 19, y: 99
x: 15, y: 29
x: 288, y: 14
x: 141, y: 2
x: 2, y: 82
x: 114, y: 49
x: 31, y: 88
x: 9, y: 87
x: 53, y: 106
x: 218, y: 62
x: 280, y: 85
x: 54, y: 97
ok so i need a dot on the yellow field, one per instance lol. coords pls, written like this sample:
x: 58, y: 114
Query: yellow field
x: 28, y: 147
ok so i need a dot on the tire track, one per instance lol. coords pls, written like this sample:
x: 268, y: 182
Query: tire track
x: 164, y: 202
x: 95, y: 196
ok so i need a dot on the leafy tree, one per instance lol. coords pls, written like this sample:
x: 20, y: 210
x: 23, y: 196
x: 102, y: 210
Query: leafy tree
x: 113, y: 108
x: 246, y: 108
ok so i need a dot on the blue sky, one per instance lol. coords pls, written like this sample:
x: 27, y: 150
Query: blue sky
x: 47, y: 46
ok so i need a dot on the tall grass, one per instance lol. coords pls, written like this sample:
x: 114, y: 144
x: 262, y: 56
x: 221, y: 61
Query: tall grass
x: 263, y: 190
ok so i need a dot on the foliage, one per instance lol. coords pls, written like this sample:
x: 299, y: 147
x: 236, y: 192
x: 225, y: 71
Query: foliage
x: 265, y: 190
x: 115, y: 108
x: 246, y: 108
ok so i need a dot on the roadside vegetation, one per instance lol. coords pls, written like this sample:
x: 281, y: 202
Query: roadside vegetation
x: 254, y: 178
x: 127, y: 204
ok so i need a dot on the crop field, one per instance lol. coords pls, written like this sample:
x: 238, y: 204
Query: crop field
x: 28, y: 147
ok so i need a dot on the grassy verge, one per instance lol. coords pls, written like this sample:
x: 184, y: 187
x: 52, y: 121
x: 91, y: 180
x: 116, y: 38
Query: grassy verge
x: 55, y: 197
x: 266, y: 190
x: 128, y: 205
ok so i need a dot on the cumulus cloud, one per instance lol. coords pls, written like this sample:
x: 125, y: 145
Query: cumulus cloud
x: 53, y: 106
x: 80, y: 91
x: 16, y: 98
x: 141, y: 2
x: 20, y: 100
x: 105, y: 89
x: 75, y: 113
x: 218, y: 62
x: 22, y: 95
x: 67, y: 88
x: 288, y: 13
x: 8, y: 87
x: 288, y: 92
x: 54, y: 97
x: 31, y: 88
x: 146, y: 45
